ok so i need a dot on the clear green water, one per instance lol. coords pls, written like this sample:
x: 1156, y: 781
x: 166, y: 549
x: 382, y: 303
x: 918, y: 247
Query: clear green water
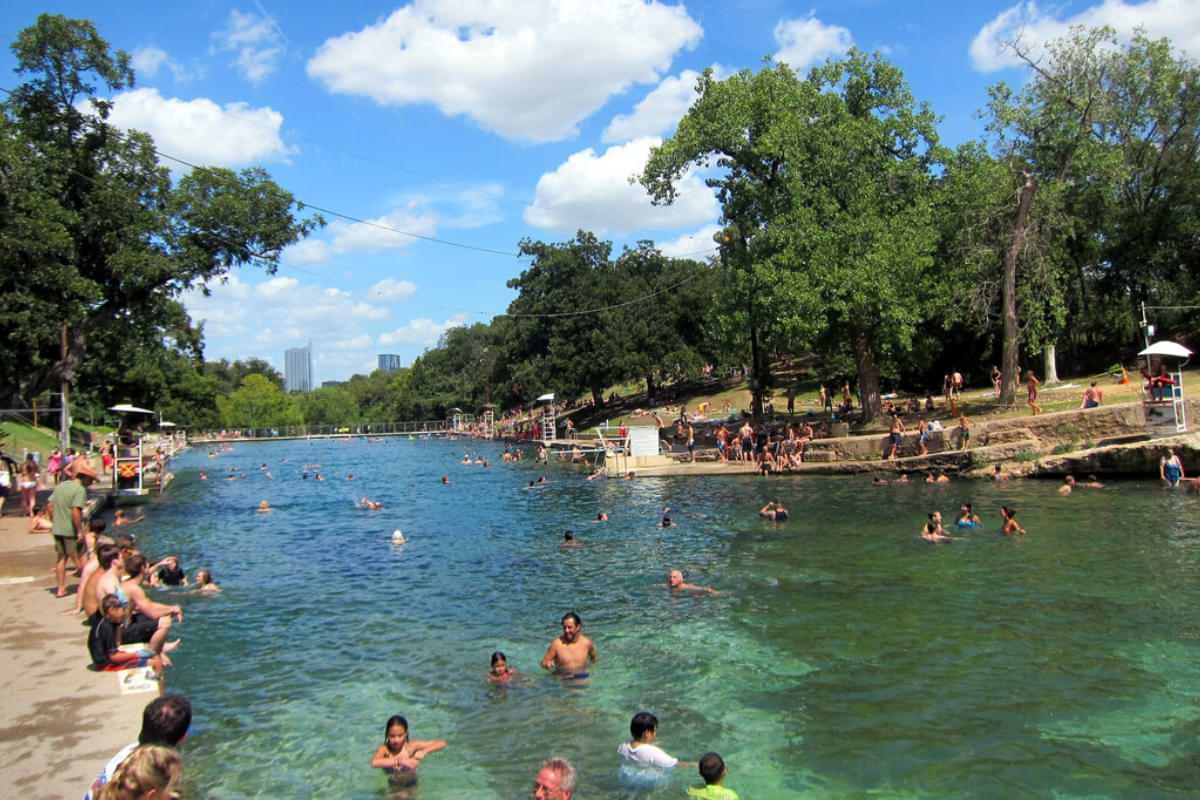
x: 844, y: 657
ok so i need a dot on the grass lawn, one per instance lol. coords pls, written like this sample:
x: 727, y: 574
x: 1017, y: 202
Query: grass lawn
x: 19, y: 438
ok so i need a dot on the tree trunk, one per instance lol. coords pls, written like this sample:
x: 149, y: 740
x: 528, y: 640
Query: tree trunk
x: 1049, y: 367
x: 868, y: 375
x: 1012, y: 343
x: 651, y: 388
x: 758, y: 376
x: 597, y: 396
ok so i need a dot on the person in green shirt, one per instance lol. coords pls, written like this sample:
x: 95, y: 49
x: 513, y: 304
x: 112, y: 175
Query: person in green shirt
x: 66, y: 508
x: 712, y: 769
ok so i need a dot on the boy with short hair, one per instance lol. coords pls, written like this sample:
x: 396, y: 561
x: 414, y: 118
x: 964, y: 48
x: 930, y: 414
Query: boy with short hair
x: 105, y: 639
x: 712, y: 770
x: 642, y: 761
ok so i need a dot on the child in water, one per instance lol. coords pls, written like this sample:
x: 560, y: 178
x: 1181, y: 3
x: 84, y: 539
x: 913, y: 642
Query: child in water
x: 400, y: 756
x: 500, y: 672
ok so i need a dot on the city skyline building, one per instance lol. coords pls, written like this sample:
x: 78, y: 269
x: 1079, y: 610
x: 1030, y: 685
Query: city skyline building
x: 389, y: 362
x: 297, y: 369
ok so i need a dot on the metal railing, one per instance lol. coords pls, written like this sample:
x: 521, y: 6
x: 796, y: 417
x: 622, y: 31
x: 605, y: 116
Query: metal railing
x: 305, y: 431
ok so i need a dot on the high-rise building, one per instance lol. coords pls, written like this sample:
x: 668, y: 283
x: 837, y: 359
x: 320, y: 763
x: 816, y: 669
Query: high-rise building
x: 297, y: 369
x: 389, y: 362
x: 331, y: 384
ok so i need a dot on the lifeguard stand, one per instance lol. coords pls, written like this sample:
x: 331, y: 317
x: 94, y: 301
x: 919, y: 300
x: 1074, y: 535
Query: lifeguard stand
x: 549, y: 418
x: 456, y: 419
x: 1167, y: 417
x: 489, y: 421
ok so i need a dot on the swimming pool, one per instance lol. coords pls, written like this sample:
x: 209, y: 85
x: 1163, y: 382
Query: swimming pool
x: 843, y: 657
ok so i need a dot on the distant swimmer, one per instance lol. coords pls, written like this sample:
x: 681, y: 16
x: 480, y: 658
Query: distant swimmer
x: 677, y: 584
x: 205, y: 582
x: 932, y: 533
x: 319, y: 477
x: 601, y: 517
x: 398, y: 537
x: 998, y: 475
x: 1067, y: 485
x: 203, y: 475
x: 774, y: 511
x: 350, y: 476
x: 571, y: 653
x: 120, y: 520
x: 264, y: 507
x: 629, y: 475
x: 369, y: 504
x: 569, y: 541
x: 967, y: 517
x: 1009, y: 515
x: 500, y: 672
x: 466, y: 459
x: 446, y: 480
x: 596, y: 474
x: 1170, y: 468
x: 1092, y: 483
x: 666, y: 521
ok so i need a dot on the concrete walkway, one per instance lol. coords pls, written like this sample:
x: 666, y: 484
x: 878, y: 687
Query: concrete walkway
x: 59, y: 721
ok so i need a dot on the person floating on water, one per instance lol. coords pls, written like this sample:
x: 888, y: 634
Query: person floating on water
x: 120, y: 520
x: 369, y: 504
x: 570, y: 653
x: 774, y: 511
x: 500, y: 672
x: 1009, y: 515
x: 967, y: 517
x: 712, y: 771
x: 1170, y: 468
x: 677, y: 584
x: 400, y: 756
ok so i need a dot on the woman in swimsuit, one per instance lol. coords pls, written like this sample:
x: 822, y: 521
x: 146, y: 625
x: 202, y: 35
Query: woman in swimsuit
x: 1170, y: 468
x: 400, y: 756
x: 966, y: 517
x: 1033, y: 384
x: 27, y: 481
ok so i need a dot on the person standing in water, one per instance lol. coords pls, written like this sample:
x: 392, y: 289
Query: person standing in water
x: 571, y: 653
x: 400, y: 756
x: 1009, y: 515
x: 1170, y: 468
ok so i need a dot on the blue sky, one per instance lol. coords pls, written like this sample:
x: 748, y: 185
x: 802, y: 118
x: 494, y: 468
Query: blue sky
x: 485, y: 121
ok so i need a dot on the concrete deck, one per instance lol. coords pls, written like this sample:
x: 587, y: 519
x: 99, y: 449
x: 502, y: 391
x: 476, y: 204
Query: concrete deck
x: 59, y: 721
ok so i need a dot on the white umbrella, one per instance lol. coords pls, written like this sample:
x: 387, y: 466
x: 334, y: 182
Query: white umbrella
x: 125, y: 408
x: 166, y: 424
x: 546, y: 398
x: 1165, y: 348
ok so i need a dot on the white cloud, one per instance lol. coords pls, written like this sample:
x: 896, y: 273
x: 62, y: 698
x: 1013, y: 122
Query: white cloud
x: 1178, y: 20
x: 529, y: 71
x: 392, y: 289
x: 147, y: 61
x: 422, y: 332
x: 355, y: 343
x: 593, y: 191
x: 658, y: 111
x: 371, y: 236
x: 276, y: 286
x: 201, y: 131
x: 256, y: 42
x: 806, y: 41
x: 698, y: 245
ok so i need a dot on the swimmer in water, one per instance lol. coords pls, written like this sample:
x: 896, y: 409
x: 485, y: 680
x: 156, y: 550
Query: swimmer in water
x: 571, y: 653
x: 400, y: 756
x: 350, y: 476
x: 1092, y: 483
x: 319, y: 477
x: 203, y: 475
x: 677, y: 584
x: 264, y: 507
x: 205, y: 582
x: 304, y: 476
x: 666, y: 519
x: 1170, y: 468
x: 1068, y: 484
x: 120, y: 520
x: 601, y: 517
x: 500, y: 672
x: 1009, y: 515
x: 966, y: 517
x: 997, y: 475
x: 466, y: 459
x: 569, y: 541
x: 446, y: 480
x: 902, y: 479
x: 932, y: 533
x: 774, y: 511
x: 370, y: 505
x: 596, y: 473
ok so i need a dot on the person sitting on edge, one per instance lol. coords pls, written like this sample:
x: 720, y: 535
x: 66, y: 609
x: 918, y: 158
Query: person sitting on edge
x: 774, y: 511
x: 500, y: 672
x: 205, y: 582
x: 964, y: 432
x: 1093, y: 397
x: 1009, y: 515
x: 967, y: 517
x: 400, y: 756
x: 107, y: 636
x: 712, y: 771
x: 570, y: 653
x: 1068, y: 482
x: 106, y: 581
x: 642, y: 761
x: 569, y: 540
x: 145, y: 608
x: 555, y: 780
x: 677, y: 584
x: 165, y: 722
x: 120, y: 520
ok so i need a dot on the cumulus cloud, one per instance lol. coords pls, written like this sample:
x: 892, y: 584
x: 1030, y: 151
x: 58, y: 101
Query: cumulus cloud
x: 528, y: 71
x: 354, y: 343
x: 148, y: 61
x: 698, y: 245
x: 422, y: 331
x: 593, y: 191
x: 256, y: 43
x: 806, y: 41
x: 658, y: 112
x: 201, y: 131
x: 392, y: 289
x: 1178, y: 20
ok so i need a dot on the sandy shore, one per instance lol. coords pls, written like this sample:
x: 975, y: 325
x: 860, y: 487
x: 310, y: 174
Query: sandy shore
x: 59, y: 721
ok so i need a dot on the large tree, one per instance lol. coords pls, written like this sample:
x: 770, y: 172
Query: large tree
x: 825, y: 187
x: 99, y: 241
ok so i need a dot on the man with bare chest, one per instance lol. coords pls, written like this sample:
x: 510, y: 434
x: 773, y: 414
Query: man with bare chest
x: 570, y: 653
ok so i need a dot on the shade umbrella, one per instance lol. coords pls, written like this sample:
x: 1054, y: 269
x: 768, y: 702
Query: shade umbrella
x: 125, y: 408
